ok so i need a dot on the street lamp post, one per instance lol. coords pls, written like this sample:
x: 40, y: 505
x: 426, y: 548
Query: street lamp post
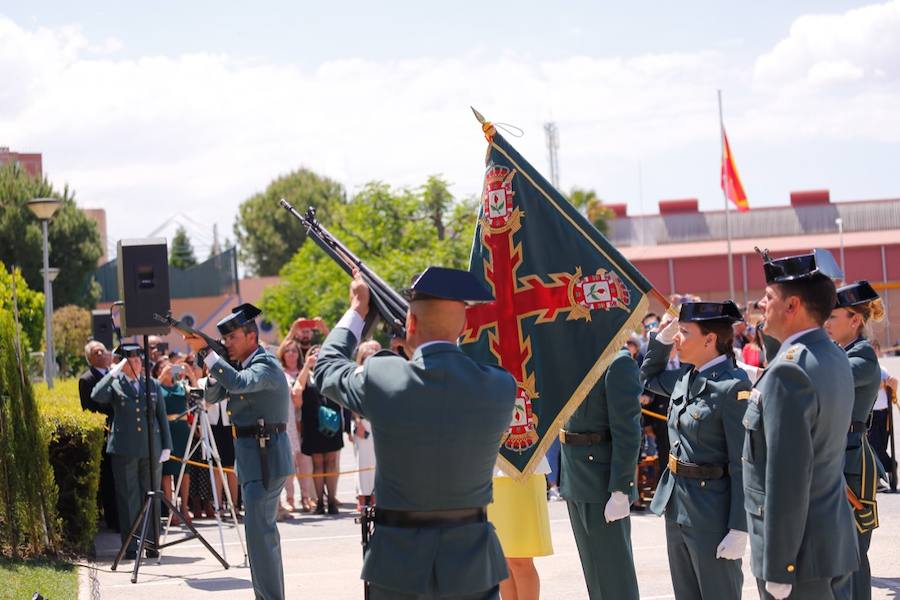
x: 840, y: 225
x: 52, y: 347
x: 44, y: 209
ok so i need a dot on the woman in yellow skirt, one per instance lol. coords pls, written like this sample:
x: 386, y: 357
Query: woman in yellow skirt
x: 519, y: 513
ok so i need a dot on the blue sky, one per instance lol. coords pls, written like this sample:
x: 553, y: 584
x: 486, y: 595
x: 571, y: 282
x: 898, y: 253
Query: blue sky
x: 191, y: 107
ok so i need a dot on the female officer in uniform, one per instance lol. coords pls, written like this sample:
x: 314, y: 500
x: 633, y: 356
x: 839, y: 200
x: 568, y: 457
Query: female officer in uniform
x: 857, y: 304
x: 701, y: 491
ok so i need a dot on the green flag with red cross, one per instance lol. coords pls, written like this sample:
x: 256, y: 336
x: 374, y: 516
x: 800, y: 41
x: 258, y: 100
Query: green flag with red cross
x: 565, y: 300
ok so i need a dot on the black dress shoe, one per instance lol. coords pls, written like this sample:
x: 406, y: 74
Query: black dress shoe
x: 151, y: 553
x: 320, y: 507
x: 332, y: 508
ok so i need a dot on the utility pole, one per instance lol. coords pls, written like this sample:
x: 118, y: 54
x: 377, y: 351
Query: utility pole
x: 552, y: 133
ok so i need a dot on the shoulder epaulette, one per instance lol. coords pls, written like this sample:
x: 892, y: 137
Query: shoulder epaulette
x: 793, y: 353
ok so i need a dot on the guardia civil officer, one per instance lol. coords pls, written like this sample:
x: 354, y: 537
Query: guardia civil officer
x: 802, y: 537
x: 124, y: 388
x: 258, y: 397
x: 857, y: 304
x: 437, y: 419
x: 599, y: 448
x: 701, y: 490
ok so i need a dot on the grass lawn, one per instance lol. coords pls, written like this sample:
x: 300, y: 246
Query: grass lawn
x: 55, y: 580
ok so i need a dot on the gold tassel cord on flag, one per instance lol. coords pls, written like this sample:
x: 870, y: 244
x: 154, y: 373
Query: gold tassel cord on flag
x: 654, y: 415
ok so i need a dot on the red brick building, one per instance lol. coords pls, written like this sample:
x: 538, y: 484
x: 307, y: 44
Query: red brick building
x: 683, y: 250
x: 31, y: 162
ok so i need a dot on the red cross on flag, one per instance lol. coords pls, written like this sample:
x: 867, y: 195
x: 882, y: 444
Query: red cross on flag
x: 565, y: 300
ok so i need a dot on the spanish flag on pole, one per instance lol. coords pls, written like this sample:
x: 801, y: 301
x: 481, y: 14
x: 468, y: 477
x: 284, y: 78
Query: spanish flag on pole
x: 731, y: 181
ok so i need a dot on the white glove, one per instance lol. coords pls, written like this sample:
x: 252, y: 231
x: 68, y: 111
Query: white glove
x: 667, y: 333
x: 118, y: 366
x: 733, y: 545
x: 779, y: 591
x: 618, y: 507
x: 164, y: 455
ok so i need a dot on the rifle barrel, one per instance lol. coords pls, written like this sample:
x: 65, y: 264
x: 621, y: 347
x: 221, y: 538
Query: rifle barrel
x: 387, y: 302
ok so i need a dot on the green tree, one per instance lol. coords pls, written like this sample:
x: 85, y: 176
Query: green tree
x: 267, y: 235
x: 592, y: 207
x: 30, y: 305
x: 397, y: 233
x: 71, y: 330
x: 27, y: 489
x: 74, y: 239
x: 181, y: 253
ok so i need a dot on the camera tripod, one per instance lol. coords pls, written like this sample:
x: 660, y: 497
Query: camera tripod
x: 149, y: 515
x: 206, y: 442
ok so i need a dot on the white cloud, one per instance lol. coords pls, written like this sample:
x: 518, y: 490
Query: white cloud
x: 842, y: 47
x: 198, y: 133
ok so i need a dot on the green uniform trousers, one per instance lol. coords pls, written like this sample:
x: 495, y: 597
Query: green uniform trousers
x: 696, y: 572
x: 132, y: 482
x: 861, y: 579
x: 836, y: 588
x: 376, y: 592
x: 605, y: 552
x: 263, y: 540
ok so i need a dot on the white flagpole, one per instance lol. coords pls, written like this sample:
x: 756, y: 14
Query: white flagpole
x: 727, y: 208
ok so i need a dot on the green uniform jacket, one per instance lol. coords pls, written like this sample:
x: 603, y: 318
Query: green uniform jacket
x: 127, y: 434
x: 705, y: 428
x: 860, y: 462
x: 798, y: 517
x: 258, y: 391
x: 592, y: 473
x: 437, y: 421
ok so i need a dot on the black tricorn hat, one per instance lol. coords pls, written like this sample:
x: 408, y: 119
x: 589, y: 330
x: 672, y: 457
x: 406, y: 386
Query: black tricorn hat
x: 240, y: 316
x: 710, y: 311
x: 801, y: 266
x: 128, y: 349
x: 855, y: 293
x: 441, y: 283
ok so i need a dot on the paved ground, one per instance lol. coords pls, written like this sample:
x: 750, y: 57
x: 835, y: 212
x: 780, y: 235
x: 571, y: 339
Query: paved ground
x: 322, y: 560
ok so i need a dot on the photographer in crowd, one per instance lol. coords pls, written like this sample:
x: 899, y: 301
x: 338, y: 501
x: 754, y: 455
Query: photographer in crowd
x: 172, y: 377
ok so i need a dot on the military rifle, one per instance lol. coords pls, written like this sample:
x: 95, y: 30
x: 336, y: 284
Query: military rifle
x: 214, y: 345
x: 388, y: 304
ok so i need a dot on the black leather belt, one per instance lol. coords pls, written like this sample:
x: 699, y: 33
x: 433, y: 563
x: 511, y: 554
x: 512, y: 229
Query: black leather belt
x: 583, y: 439
x: 857, y: 426
x: 415, y: 519
x: 694, y: 471
x: 254, y: 430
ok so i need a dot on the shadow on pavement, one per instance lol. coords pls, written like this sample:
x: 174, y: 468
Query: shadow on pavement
x: 892, y: 584
x: 220, y: 584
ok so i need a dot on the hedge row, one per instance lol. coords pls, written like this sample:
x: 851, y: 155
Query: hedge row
x: 75, y: 440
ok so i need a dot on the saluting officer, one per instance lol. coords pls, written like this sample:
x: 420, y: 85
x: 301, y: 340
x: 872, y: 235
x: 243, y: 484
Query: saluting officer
x: 857, y: 304
x: 437, y: 419
x: 258, y: 397
x: 701, y: 490
x: 600, y: 445
x: 124, y: 388
x: 802, y: 538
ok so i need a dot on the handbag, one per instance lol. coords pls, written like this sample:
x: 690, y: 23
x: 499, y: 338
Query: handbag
x: 329, y: 421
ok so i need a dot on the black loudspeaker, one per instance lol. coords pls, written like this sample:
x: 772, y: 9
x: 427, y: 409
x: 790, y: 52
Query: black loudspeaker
x: 102, y: 328
x: 143, y: 267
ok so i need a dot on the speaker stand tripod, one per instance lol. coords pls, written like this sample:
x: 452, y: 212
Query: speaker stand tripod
x: 149, y: 517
